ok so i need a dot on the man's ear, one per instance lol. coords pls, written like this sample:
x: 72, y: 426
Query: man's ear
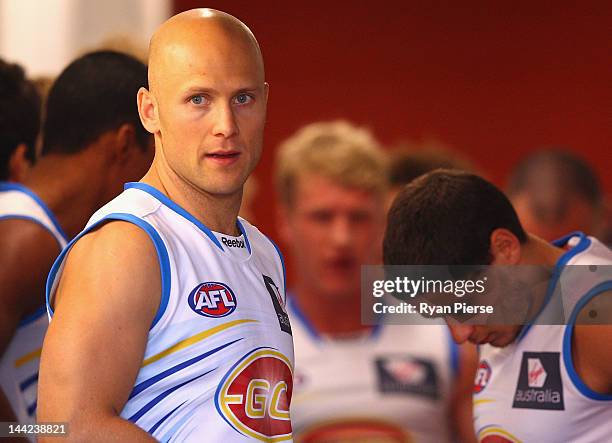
x: 147, y: 109
x: 505, y: 247
x: 19, y: 165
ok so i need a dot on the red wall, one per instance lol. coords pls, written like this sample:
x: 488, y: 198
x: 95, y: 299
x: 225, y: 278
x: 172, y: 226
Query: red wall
x: 492, y: 79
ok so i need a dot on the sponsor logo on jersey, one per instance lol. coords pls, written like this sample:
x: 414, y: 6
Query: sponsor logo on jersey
x: 539, y: 385
x: 233, y: 242
x: 212, y: 299
x: 407, y: 375
x: 254, y: 396
x: 483, y: 374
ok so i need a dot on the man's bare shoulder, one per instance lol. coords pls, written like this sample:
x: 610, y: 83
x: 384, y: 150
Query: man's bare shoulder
x: 27, y: 253
x: 116, y: 259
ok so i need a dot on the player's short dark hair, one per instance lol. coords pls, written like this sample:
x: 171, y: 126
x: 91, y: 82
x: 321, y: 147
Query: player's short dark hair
x: 446, y: 218
x: 19, y: 114
x: 96, y: 93
x: 571, y: 172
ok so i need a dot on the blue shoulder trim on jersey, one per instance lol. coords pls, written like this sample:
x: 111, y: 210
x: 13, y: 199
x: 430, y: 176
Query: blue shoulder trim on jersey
x: 146, y: 408
x: 164, y: 418
x: 294, y: 308
x: 32, y: 317
x: 246, y: 237
x: 151, y: 381
x: 5, y: 186
x: 453, y: 349
x: 176, y: 208
x: 35, y: 220
x: 582, y: 245
x: 160, y: 247
x: 282, y: 259
x: 567, y: 344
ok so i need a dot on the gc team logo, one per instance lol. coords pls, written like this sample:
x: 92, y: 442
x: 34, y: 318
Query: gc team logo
x: 483, y: 374
x: 254, y: 396
x: 212, y: 299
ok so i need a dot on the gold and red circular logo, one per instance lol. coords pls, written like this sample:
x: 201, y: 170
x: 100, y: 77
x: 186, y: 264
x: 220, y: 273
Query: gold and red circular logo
x: 254, y: 396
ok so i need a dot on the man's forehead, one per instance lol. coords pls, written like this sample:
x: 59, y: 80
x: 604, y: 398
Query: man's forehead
x: 194, y: 46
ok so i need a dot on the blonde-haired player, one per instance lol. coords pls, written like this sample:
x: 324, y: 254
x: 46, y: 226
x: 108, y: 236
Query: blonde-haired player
x: 355, y: 382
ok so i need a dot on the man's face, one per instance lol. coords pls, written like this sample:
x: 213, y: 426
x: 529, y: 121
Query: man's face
x: 333, y: 230
x: 212, y: 98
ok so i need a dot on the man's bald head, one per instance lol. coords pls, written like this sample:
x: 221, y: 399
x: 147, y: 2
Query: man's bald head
x: 189, y: 33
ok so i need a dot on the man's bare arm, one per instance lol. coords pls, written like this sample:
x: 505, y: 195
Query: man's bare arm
x: 461, y: 407
x: 105, y: 303
x: 592, y: 343
x: 27, y: 253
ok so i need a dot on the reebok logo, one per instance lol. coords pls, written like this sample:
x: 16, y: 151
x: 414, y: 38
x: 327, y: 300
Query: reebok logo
x: 232, y: 242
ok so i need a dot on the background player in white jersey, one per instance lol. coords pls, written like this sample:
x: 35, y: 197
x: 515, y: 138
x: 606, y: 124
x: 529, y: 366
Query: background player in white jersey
x: 186, y: 337
x: 535, y: 382
x: 355, y: 382
x: 93, y: 142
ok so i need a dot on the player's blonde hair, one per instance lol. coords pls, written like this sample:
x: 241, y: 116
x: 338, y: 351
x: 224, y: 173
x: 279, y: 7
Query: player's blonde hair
x: 338, y: 150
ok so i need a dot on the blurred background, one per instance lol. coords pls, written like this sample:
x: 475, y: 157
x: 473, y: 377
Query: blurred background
x: 491, y: 80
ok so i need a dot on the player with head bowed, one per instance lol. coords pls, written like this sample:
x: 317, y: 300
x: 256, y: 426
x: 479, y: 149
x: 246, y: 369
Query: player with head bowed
x: 548, y: 379
x: 93, y: 142
x: 355, y: 382
x: 168, y: 317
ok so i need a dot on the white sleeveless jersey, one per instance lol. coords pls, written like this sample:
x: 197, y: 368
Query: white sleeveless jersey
x: 392, y: 385
x: 218, y: 363
x: 530, y: 391
x: 20, y: 361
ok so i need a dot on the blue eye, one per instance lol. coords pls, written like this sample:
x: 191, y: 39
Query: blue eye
x: 243, y: 99
x: 197, y: 99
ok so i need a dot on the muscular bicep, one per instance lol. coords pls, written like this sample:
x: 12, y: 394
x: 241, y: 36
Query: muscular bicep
x: 27, y: 253
x: 104, y: 305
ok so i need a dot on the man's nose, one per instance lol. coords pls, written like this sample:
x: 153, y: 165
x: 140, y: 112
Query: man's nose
x: 340, y: 232
x: 460, y: 332
x: 225, y: 121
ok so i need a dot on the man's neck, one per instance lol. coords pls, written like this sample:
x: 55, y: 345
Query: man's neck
x: 218, y: 213
x: 335, y: 317
x: 70, y: 186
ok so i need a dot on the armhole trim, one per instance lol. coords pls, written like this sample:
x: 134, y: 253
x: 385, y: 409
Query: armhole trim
x: 39, y: 223
x: 160, y: 247
x: 567, y: 344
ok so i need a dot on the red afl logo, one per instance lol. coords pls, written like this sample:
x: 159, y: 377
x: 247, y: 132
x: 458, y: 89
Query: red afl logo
x: 483, y: 374
x: 212, y: 299
x: 254, y: 396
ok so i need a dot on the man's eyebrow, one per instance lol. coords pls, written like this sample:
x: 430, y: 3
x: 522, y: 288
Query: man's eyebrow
x: 195, y: 89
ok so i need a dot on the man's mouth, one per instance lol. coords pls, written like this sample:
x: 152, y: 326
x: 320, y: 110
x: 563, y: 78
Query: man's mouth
x: 223, y: 157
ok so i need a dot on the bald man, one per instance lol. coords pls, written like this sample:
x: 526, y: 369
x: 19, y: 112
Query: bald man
x: 168, y: 318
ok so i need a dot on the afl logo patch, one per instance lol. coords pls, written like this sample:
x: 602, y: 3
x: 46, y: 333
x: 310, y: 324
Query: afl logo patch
x: 483, y: 374
x: 254, y: 396
x: 212, y: 299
